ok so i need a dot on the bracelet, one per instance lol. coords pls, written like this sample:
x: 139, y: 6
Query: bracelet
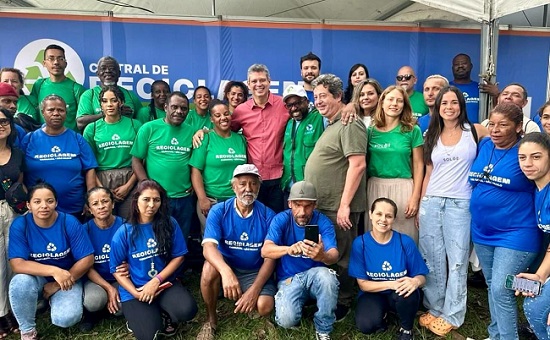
x: 159, y: 278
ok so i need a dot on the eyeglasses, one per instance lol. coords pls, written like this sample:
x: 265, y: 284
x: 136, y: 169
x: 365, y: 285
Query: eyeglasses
x: 293, y: 104
x: 404, y: 77
x: 52, y: 59
x: 4, y: 122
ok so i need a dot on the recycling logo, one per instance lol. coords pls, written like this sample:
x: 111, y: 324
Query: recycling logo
x: 151, y: 243
x: 106, y: 248
x: 115, y: 137
x: 244, y: 236
x: 230, y: 151
x: 56, y: 149
x: 30, y: 57
x: 386, y: 266
x: 174, y: 141
x: 51, y: 247
x: 309, y: 127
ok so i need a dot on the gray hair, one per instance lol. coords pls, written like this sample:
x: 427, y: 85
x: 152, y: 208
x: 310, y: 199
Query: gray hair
x: 258, y: 68
x: 108, y: 58
x: 49, y: 98
x: 440, y: 77
x: 331, y: 82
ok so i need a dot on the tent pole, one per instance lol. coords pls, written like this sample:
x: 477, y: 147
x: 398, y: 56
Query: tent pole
x: 213, y: 8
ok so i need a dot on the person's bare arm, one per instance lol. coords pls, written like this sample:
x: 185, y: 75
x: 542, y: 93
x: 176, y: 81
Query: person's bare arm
x: 84, y: 120
x: 418, y: 177
x: 231, y: 287
x: 356, y: 170
x: 91, y: 179
x: 138, y: 168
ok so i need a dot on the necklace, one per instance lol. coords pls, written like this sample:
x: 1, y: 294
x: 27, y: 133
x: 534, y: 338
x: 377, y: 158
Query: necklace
x: 487, y: 170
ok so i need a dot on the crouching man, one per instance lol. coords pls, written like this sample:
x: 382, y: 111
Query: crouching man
x: 302, y: 270
x: 233, y: 238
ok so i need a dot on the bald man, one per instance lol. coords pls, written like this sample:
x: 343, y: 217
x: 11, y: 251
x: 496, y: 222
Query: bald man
x: 406, y: 78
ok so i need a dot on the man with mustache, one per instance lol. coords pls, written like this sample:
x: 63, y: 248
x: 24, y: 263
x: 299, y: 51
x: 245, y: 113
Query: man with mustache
x: 406, y: 78
x: 462, y: 72
x: 89, y: 108
x: 232, y: 243
x: 58, y: 83
x: 310, y: 68
x: 162, y: 151
x: 302, y: 132
x: 302, y: 261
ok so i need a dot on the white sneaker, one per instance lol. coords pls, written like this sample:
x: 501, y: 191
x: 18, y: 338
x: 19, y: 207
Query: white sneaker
x: 321, y: 336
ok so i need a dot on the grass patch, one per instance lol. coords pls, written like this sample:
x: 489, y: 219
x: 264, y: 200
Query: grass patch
x: 242, y: 327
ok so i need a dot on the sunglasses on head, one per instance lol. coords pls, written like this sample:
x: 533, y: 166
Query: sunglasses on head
x: 404, y: 77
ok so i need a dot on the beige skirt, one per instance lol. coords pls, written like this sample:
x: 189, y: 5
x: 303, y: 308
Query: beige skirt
x: 398, y: 190
x: 114, y: 178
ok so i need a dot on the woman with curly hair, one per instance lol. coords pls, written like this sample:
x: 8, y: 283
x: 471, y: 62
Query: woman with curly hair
x: 153, y: 246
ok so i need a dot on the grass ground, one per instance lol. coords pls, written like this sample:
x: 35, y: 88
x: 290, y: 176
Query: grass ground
x: 242, y: 327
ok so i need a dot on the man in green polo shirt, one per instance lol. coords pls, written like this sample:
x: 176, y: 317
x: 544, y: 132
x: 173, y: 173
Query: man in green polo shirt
x: 162, y: 150
x: 58, y: 83
x: 301, y: 133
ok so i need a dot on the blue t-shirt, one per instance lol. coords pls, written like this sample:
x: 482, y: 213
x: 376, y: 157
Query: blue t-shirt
x: 101, y: 241
x: 471, y: 96
x: 424, y: 122
x: 284, y: 231
x: 239, y: 239
x: 502, y: 203
x: 61, y: 161
x: 21, y: 134
x: 141, y: 253
x: 61, y: 245
x: 542, y: 206
x: 536, y: 119
x: 372, y: 261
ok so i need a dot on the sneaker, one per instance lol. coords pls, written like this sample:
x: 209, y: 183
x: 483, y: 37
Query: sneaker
x: 341, y: 312
x: 321, y: 336
x: 405, y: 335
x: 32, y: 335
x: 128, y: 327
x: 88, y: 321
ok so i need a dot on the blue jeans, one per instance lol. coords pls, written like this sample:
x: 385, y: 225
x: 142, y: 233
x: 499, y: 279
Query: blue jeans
x: 24, y: 291
x: 182, y: 210
x: 496, y: 263
x: 445, y: 245
x: 319, y: 283
x: 536, y: 311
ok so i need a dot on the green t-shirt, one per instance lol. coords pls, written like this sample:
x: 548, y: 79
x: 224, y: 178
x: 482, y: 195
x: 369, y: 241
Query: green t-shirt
x: 327, y: 166
x: 199, y: 122
x: 67, y: 89
x: 144, y: 114
x: 28, y: 106
x: 112, y: 143
x: 390, y: 152
x: 418, y: 105
x: 89, y: 101
x: 166, y: 150
x: 216, y: 158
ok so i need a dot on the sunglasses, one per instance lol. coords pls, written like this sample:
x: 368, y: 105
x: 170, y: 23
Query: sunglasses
x: 404, y: 77
x: 294, y: 104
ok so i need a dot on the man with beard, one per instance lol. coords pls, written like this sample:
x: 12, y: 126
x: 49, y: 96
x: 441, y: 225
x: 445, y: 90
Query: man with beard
x: 232, y: 243
x: 58, y: 83
x: 432, y: 86
x: 302, y: 269
x: 406, y: 78
x: 8, y: 101
x: 162, y: 150
x: 302, y: 132
x: 462, y: 71
x: 89, y: 107
x: 310, y: 68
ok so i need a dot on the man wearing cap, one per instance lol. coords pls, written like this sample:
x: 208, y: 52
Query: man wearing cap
x: 8, y: 101
x: 301, y: 133
x: 232, y: 243
x: 302, y: 268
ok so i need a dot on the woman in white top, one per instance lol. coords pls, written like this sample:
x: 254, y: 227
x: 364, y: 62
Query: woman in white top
x: 450, y: 148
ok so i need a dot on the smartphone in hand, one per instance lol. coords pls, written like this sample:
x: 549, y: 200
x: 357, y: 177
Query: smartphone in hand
x: 522, y: 284
x: 312, y: 233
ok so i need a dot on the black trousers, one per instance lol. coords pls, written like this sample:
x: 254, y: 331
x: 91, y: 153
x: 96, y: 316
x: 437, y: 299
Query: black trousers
x: 372, y: 307
x: 271, y: 195
x: 145, y: 320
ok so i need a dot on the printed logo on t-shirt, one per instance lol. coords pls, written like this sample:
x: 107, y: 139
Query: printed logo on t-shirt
x: 51, y: 247
x: 151, y: 243
x: 56, y: 148
x: 244, y: 236
x: 106, y: 248
x: 386, y: 266
x: 102, y: 258
x: 115, y: 137
x: 116, y: 143
x: 55, y: 154
x: 487, y: 177
x: 231, y: 156
x: 174, y: 141
x: 230, y: 151
x: 380, y: 145
x: 469, y: 99
x: 173, y: 148
x: 151, y: 251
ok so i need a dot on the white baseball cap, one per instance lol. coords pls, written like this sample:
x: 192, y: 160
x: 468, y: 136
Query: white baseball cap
x: 294, y: 90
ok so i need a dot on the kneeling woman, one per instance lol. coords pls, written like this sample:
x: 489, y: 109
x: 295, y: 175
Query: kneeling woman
x: 49, y: 252
x: 153, y: 246
x: 100, y: 290
x: 389, y: 271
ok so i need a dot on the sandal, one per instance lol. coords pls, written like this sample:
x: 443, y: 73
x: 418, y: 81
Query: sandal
x: 441, y: 327
x: 169, y: 327
x: 426, y: 319
x: 207, y: 332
